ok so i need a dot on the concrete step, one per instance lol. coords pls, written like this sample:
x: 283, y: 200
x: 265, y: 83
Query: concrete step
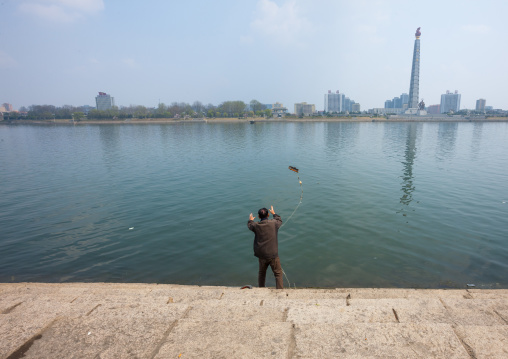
x: 97, y: 320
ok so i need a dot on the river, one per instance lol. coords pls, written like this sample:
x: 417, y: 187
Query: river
x: 397, y: 204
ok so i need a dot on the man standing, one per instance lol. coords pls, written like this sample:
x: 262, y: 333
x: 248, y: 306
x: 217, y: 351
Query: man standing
x: 266, y: 245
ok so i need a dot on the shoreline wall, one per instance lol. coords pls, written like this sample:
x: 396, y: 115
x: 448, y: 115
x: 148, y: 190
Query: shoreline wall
x: 249, y: 120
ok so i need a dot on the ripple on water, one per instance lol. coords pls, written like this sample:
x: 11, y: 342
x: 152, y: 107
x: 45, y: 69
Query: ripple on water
x: 384, y: 204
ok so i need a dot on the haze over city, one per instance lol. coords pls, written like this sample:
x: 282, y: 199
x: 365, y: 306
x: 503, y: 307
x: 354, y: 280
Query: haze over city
x: 63, y: 52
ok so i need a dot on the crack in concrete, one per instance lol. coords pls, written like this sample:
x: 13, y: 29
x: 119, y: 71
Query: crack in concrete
x: 396, y: 316
x: 10, y: 309
x: 500, y: 316
x: 90, y: 312
x: 466, y: 346
x: 167, y: 332
x: 285, y: 314
x: 23, y: 349
x: 443, y: 303
x: 292, y: 342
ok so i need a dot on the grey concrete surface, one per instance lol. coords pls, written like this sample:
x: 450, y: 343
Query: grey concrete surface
x: 105, y: 320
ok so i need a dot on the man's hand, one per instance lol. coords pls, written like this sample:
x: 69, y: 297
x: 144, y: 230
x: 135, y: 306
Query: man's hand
x: 251, y: 218
x: 271, y: 210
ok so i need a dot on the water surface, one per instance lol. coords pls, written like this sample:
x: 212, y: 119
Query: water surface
x: 384, y: 204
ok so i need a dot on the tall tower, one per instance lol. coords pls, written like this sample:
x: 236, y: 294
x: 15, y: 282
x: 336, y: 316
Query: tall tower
x: 415, y: 73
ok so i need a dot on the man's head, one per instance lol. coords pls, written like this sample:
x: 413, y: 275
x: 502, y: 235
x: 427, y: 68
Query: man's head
x: 263, y: 213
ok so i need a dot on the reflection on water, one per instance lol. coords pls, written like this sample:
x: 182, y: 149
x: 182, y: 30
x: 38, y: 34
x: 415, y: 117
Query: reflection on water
x: 110, y: 137
x: 446, y: 138
x: 477, y: 138
x: 340, y: 137
x: 409, y: 158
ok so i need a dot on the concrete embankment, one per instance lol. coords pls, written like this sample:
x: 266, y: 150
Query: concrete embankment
x: 98, y: 320
x: 161, y: 121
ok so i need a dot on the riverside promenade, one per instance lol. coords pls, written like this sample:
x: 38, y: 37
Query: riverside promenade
x: 101, y: 320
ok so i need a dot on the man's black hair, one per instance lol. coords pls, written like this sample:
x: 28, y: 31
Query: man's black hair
x: 263, y: 213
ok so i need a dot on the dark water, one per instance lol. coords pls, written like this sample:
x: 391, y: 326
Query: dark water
x: 384, y: 204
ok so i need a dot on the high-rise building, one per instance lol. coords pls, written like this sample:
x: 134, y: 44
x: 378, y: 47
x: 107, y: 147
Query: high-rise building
x: 355, y: 107
x: 304, y: 109
x: 450, y: 102
x: 404, y: 99
x: 397, y: 102
x: 104, y: 101
x: 415, y: 73
x: 347, y: 105
x: 333, y: 101
x: 337, y: 102
x: 480, y: 105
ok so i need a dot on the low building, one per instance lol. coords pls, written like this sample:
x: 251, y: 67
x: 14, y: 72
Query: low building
x: 278, y: 110
x: 385, y: 111
x: 434, y: 109
x: 6, y: 107
x: 304, y: 109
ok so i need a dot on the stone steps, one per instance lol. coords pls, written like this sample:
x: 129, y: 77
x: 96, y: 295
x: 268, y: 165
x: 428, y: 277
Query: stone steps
x: 102, y: 320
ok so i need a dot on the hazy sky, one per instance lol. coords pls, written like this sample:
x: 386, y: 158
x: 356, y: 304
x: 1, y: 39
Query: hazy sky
x: 141, y: 52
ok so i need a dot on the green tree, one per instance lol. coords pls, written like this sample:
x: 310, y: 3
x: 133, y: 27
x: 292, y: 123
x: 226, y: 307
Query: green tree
x: 232, y: 108
x: 78, y: 116
x: 198, y: 107
x: 161, y: 110
x: 141, y: 112
x: 94, y: 114
x: 255, y: 106
x: 268, y: 113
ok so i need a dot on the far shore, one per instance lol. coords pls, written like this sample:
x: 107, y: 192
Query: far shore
x: 256, y: 119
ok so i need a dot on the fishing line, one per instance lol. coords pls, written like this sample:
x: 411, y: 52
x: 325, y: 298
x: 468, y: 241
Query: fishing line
x: 294, y: 169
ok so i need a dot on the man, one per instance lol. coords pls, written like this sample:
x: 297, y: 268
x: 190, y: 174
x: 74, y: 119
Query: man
x: 266, y: 245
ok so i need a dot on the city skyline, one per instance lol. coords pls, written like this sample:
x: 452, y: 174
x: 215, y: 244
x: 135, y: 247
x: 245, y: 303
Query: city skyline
x: 61, y: 53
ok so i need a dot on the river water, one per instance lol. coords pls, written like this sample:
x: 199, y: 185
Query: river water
x: 384, y: 204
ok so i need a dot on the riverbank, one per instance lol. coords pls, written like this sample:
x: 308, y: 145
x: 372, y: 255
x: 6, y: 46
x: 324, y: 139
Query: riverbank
x: 92, y: 320
x: 159, y: 121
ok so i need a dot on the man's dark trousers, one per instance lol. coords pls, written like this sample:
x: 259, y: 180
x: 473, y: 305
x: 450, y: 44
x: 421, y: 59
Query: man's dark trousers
x: 274, y: 263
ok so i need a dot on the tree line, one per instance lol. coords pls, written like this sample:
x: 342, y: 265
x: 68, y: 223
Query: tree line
x: 174, y: 110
